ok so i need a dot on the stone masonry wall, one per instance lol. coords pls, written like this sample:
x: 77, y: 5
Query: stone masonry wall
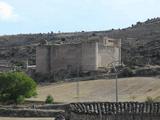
x: 115, y: 111
x: 89, y: 56
x: 43, y: 59
x: 30, y: 113
x: 65, y: 57
x: 85, y: 56
x: 107, y: 55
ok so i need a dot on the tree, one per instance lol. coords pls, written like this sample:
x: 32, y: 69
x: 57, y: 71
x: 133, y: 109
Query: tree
x: 16, y: 86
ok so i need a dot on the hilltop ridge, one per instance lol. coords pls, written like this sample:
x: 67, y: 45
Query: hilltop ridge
x: 140, y: 42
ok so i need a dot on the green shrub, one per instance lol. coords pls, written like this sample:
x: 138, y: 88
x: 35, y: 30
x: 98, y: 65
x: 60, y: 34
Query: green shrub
x: 126, y: 72
x: 133, y: 97
x: 157, y: 99
x: 19, y: 64
x: 149, y: 99
x: 16, y: 86
x: 49, y: 99
x: 20, y: 99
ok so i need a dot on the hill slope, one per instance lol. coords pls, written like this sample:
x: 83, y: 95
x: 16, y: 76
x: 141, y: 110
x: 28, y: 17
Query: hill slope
x: 140, y: 43
x: 133, y: 89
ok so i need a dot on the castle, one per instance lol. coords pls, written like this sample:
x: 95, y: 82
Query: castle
x: 90, y: 55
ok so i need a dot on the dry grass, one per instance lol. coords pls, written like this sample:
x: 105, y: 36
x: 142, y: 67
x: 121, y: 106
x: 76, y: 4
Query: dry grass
x: 130, y: 89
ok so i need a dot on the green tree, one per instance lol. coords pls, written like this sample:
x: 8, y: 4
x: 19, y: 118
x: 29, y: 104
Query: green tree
x: 16, y: 86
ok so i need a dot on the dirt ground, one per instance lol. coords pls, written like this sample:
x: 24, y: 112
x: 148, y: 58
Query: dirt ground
x: 129, y: 89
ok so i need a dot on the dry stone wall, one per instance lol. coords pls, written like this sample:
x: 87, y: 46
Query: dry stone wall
x: 29, y: 113
x: 115, y: 111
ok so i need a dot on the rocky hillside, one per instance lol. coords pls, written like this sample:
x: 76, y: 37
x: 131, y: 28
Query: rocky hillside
x: 140, y: 43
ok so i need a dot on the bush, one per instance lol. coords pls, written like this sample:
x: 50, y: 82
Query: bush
x: 15, y: 87
x: 126, y: 72
x: 20, y: 99
x: 149, y: 99
x: 157, y: 99
x: 49, y: 99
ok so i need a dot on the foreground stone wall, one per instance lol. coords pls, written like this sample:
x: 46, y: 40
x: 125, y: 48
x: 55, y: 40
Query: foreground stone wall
x: 30, y: 113
x: 115, y: 117
x: 90, y: 111
x: 115, y: 111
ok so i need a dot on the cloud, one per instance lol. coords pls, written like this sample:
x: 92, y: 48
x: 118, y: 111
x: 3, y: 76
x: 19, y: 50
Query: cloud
x: 7, y: 12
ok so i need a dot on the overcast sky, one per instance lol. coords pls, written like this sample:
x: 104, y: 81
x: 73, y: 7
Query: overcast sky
x: 34, y: 16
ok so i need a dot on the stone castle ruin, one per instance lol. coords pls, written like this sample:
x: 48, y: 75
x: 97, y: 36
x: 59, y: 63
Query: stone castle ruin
x: 90, y: 55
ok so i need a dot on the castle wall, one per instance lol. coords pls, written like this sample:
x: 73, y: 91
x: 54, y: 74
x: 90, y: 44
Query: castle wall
x: 85, y: 56
x: 109, y: 51
x: 89, y: 56
x: 43, y: 59
x: 107, y: 55
x: 65, y: 57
